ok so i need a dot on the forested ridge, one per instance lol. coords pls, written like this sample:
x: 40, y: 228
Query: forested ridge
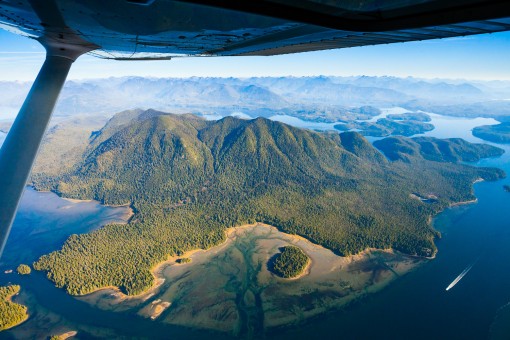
x: 453, y: 150
x: 189, y: 179
x: 499, y: 133
x: 384, y: 127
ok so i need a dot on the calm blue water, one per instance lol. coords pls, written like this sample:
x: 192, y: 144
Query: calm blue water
x: 415, y: 306
x: 2, y: 138
x: 44, y: 221
x: 297, y: 122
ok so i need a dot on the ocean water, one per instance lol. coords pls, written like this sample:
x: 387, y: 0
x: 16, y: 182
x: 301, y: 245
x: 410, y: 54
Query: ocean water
x: 2, y: 138
x: 297, y: 122
x: 454, y: 127
x: 415, y: 306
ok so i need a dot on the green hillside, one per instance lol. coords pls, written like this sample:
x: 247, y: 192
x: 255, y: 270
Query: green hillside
x: 188, y: 179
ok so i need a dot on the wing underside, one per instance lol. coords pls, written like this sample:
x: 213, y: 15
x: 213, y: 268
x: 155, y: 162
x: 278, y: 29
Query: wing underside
x: 162, y: 29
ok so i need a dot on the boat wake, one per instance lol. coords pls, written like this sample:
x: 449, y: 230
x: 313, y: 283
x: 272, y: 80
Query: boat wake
x: 461, y: 275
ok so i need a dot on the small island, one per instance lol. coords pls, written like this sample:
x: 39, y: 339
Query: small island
x: 416, y: 116
x: 290, y: 263
x: 11, y: 314
x: 506, y: 187
x: 499, y: 133
x: 23, y: 269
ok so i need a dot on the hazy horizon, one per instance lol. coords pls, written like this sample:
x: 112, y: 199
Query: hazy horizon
x: 475, y: 58
x: 428, y: 79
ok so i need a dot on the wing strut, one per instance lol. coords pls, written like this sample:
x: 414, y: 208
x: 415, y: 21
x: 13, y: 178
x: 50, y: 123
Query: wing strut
x: 24, y: 138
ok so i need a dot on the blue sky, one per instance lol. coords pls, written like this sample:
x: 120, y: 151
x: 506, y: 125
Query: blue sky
x: 475, y: 57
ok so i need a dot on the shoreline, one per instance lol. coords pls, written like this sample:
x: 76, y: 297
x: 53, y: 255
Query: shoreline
x: 158, y: 268
x: 463, y: 203
x: 228, y: 231
x: 27, y: 315
x: 456, y: 204
x: 336, y: 280
x: 230, y: 236
x: 451, y: 205
x: 197, y: 295
x: 128, y: 215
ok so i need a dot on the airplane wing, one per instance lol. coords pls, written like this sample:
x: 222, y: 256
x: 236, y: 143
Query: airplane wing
x: 164, y: 29
x: 161, y: 29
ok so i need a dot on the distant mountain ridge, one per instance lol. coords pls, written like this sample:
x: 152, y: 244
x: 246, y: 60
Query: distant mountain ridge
x: 266, y: 96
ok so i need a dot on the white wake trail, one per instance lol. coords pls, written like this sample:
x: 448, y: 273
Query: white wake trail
x: 461, y: 275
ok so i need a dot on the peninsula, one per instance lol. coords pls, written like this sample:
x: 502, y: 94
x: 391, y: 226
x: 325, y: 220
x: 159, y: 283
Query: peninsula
x: 499, y: 133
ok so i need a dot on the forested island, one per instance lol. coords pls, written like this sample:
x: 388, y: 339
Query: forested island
x: 23, y: 269
x: 499, y: 133
x: 386, y: 127
x: 189, y: 179
x: 11, y: 314
x: 416, y: 116
x: 290, y: 262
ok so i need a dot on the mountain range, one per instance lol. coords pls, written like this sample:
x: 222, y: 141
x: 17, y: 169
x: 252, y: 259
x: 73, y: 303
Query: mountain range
x: 318, y: 98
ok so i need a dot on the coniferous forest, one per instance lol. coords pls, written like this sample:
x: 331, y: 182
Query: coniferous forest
x: 11, y: 314
x: 188, y: 179
x: 290, y: 263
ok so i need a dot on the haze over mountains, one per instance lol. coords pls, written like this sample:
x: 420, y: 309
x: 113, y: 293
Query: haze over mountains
x: 315, y: 98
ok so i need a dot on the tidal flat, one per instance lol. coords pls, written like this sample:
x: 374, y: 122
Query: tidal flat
x: 230, y: 288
